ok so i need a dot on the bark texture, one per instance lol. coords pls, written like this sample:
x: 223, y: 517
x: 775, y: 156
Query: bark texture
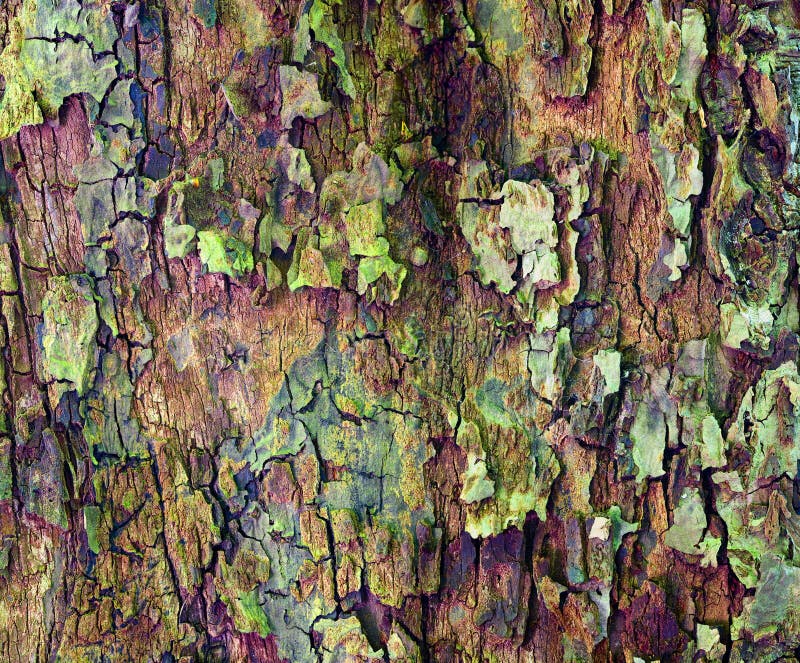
x: 403, y: 330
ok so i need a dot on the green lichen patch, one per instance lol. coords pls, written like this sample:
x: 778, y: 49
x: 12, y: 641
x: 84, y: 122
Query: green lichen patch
x: 320, y: 20
x: 689, y: 523
x: 206, y: 10
x: 224, y: 255
x: 608, y: 363
x: 92, y: 519
x: 477, y: 485
x: 521, y: 240
x: 365, y: 227
x: 649, y: 437
x: 300, y: 95
x: 69, y: 327
x: 179, y: 240
x: 41, y: 70
x: 254, y: 619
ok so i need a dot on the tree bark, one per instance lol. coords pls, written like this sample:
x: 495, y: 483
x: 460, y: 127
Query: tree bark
x: 408, y: 330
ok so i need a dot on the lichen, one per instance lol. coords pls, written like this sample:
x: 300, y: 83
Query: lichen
x: 69, y: 327
x: 300, y: 96
x: 224, y: 255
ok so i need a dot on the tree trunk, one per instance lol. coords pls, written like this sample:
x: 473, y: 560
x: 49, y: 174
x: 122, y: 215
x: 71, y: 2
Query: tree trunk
x: 408, y: 330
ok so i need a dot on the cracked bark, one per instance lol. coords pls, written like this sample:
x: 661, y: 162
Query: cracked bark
x: 407, y: 330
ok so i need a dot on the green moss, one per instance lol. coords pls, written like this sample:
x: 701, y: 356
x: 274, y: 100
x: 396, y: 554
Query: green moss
x: 419, y: 256
x: 603, y: 144
x: 6, y: 476
x: 409, y: 340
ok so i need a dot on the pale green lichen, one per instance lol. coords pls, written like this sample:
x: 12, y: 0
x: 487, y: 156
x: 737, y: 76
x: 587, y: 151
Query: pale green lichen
x: 500, y: 24
x: 742, y: 322
x: 608, y: 363
x: 308, y: 266
x: 549, y: 361
x: 713, y: 448
x: 688, y: 523
x: 118, y: 108
x: 350, y: 233
x: 419, y: 256
x: 520, y: 484
x: 373, y: 268
x: 179, y: 240
x: 708, y: 640
x: 111, y: 430
x: 692, y: 57
x: 344, y: 640
x: 528, y: 212
x: 776, y: 604
x: 681, y: 177
x: 224, y: 254
x: 365, y: 228
x: 516, y: 243
x: 773, y: 406
x: 70, y: 323
x: 673, y: 153
x: 320, y: 20
x: 300, y: 96
x: 477, y: 485
x: 649, y: 437
x: 41, y: 70
x: 676, y: 259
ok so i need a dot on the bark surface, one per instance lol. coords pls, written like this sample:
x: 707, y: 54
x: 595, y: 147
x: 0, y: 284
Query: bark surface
x: 403, y: 330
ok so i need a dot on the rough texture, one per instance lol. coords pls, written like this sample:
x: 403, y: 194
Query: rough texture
x: 403, y: 330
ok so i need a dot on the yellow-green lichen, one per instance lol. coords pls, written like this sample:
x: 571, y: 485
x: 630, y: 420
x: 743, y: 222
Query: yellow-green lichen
x: 70, y: 323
